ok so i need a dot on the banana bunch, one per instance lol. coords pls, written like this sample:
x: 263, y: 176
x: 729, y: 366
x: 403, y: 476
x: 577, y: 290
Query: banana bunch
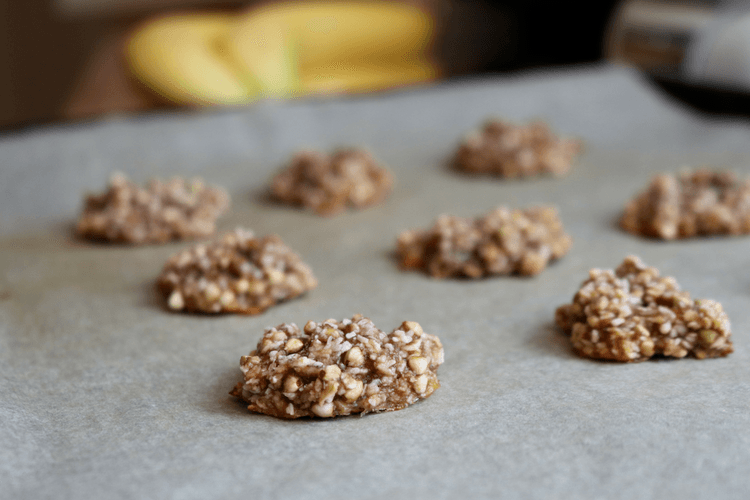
x: 282, y: 50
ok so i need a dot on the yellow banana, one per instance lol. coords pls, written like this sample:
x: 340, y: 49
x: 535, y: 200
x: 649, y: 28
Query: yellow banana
x: 184, y: 59
x: 266, y: 52
x: 283, y: 50
x: 334, y: 31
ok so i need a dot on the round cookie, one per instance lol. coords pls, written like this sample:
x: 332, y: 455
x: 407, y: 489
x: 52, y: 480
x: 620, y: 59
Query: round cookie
x: 502, y: 242
x: 703, y: 202
x: 328, y: 184
x: 632, y: 314
x: 236, y: 273
x: 506, y: 150
x: 339, y: 368
x: 160, y: 212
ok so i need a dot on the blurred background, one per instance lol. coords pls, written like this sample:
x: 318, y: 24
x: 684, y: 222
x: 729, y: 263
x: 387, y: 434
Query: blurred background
x: 78, y: 59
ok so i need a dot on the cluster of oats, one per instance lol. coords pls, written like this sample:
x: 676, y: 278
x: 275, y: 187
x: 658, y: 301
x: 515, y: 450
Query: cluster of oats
x: 698, y: 203
x: 237, y: 273
x: 327, y: 184
x: 339, y: 368
x: 508, y: 150
x: 160, y: 212
x: 632, y: 314
x: 502, y: 242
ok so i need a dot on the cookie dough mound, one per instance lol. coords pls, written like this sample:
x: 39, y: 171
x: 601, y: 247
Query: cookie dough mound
x: 698, y: 203
x: 328, y: 184
x: 634, y: 314
x: 160, y: 212
x: 237, y: 273
x: 502, y: 242
x: 508, y: 150
x: 339, y: 368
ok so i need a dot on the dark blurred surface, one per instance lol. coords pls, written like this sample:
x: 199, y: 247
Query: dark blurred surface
x: 64, y: 57
x: 706, y: 100
x: 695, y: 51
x: 554, y: 32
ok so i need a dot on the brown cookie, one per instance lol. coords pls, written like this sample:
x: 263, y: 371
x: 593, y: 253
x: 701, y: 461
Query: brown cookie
x: 237, y: 273
x: 339, y: 368
x: 328, y: 184
x: 698, y: 203
x: 506, y: 150
x: 502, y: 242
x: 632, y: 314
x: 160, y: 212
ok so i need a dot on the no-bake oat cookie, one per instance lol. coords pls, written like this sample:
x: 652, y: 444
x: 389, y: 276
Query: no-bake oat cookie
x: 698, y: 203
x: 632, y: 314
x: 328, y: 184
x: 508, y: 150
x: 236, y: 273
x: 160, y: 212
x: 339, y: 368
x: 502, y: 242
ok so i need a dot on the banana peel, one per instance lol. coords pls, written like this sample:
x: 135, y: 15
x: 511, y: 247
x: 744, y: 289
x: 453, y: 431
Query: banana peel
x: 282, y: 50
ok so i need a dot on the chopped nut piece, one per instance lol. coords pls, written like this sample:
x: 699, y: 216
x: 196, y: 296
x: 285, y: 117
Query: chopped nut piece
x: 291, y: 384
x: 160, y: 212
x: 324, y: 410
x: 354, y: 357
x: 333, y: 372
x: 507, y: 150
x: 418, y: 364
x: 708, y: 337
x: 294, y: 345
x: 242, y: 286
x: 698, y: 203
x: 355, y: 392
x: 328, y: 184
x: 420, y: 384
x: 212, y: 292
x: 501, y: 242
x: 312, y: 381
x: 175, y: 301
x: 413, y: 326
x: 226, y: 275
x: 656, y: 317
x: 275, y: 276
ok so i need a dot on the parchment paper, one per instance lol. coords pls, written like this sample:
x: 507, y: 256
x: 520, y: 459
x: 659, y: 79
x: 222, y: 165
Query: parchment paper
x: 104, y: 394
